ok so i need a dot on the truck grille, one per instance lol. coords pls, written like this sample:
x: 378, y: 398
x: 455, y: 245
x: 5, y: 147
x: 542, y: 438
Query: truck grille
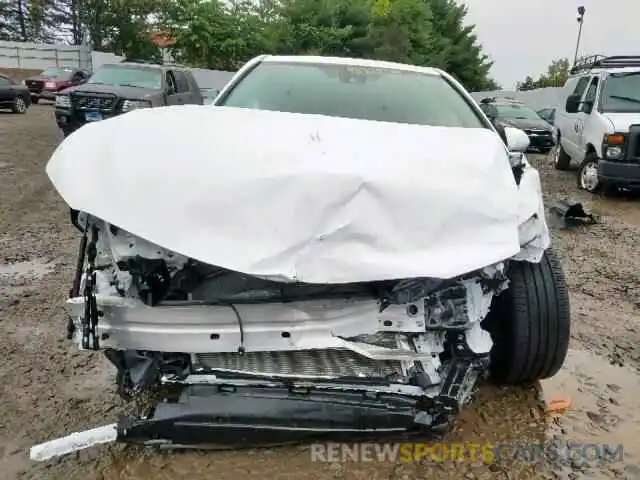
x: 335, y: 363
x: 34, y: 85
x: 633, y: 145
x: 84, y: 101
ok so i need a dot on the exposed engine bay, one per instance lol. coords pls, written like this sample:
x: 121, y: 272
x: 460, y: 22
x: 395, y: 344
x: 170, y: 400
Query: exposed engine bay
x: 162, y: 318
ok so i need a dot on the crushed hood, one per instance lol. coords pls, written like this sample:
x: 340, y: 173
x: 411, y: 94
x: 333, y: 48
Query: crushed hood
x: 297, y: 197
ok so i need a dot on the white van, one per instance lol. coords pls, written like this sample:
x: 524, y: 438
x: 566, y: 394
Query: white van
x: 598, y: 123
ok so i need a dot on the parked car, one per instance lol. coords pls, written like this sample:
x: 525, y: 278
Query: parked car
x: 599, y: 123
x: 296, y: 264
x: 122, y: 87
x: 46, y: 84
x: 13, y: 95
x: 511, y: 113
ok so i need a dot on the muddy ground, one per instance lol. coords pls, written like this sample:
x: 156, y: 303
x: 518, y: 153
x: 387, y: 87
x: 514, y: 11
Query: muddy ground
x: 48, y: 389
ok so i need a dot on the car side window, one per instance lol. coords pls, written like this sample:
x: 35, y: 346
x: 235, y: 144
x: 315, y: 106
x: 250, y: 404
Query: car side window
x: 182, y: 84
x: 592, y: 90
x: 171, y: 83
x: 5, y: 82
x: 581, y: 86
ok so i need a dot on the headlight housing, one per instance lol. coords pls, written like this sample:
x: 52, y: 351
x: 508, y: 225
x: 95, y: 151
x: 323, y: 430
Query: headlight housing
x: 63, y: 101
x: 613, y: 146
x: 613, y: 153
x: 129, y: 105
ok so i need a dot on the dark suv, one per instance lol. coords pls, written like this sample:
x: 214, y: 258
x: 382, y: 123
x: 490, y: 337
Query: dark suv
x: 46, y: 84
x: 120, y: 88
x: 507, y: 112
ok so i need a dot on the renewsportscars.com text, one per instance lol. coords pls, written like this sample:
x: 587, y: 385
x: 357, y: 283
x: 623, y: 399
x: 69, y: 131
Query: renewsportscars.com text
x: 464, y: 452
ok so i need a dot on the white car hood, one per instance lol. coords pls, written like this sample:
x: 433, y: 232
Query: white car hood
x: 298, y: 197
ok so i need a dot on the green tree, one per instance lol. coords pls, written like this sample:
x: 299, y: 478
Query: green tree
x: 460, y: 53
x: 555, y: 76
x: 215, y: 34
x: 528, y: 84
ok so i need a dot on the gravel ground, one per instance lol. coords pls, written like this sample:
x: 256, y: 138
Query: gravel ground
x: 48, y: 389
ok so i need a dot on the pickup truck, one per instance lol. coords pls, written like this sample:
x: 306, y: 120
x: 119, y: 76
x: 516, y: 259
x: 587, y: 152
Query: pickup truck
x: 115, y: 89
x: 47, y: 83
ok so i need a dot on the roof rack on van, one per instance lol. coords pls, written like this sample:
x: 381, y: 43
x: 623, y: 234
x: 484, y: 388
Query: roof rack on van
x: 602, y: 61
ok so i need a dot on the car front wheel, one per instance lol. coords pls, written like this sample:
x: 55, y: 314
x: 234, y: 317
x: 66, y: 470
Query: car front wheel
x: 530, y: 322
x: 19, y: 105
x: 588, y: 174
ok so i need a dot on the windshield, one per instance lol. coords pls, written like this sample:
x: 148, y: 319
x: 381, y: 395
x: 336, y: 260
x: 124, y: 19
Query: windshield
x: 128, y: 76
x: 381, y: 94
x: 621, y: 93
x: 57, y: 73
x: 517, y: 112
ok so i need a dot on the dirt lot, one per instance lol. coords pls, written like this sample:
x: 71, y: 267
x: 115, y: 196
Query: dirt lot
x: 48, y: 389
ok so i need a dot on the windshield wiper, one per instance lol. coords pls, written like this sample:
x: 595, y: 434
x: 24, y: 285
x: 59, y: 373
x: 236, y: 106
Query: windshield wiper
x: 628, y: 99
x: 129, y: 85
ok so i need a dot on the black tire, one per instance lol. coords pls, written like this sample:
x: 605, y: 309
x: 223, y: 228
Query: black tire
x: 35, y: 100
x: 20, y: 105
x: 530, y: 322
x: 561, y: 160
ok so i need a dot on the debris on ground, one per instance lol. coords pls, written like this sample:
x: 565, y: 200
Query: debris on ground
x: 558, y: 405
x: 567, y: 214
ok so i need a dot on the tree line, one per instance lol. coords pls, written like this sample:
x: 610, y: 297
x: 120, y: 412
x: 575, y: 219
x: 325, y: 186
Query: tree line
x: 224, y: 34
x: 556, y: 76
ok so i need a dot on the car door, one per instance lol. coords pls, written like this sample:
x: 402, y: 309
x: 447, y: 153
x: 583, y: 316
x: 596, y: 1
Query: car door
x: 182, y: 85
x: 173, y: 95
x: 571, y: 121
x: 6, y: 89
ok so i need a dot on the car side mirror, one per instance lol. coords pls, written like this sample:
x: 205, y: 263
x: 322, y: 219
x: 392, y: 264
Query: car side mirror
x: 573, y: 102
x: 517, y: 140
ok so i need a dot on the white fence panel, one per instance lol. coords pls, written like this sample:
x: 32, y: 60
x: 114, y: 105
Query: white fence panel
x: 38, y: 56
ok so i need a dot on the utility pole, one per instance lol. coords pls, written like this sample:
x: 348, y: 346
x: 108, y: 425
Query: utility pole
x: 581, y: 11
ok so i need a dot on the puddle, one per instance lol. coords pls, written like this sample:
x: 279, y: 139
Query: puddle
x: 15, y: 277
x: 603, y: 417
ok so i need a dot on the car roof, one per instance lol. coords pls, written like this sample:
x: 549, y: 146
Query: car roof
x: 354, y: 62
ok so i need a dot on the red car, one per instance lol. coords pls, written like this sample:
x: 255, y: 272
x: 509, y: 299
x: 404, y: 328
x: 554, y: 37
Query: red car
x: 52, y: 80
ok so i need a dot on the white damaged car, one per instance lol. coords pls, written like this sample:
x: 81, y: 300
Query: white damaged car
x: 337, y: 247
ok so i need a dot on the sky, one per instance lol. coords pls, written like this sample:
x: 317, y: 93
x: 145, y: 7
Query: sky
x: 523, y: 37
